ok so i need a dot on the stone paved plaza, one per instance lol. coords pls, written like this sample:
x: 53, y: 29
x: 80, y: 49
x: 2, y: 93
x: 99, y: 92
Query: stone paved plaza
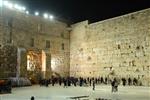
x: 60, y: 93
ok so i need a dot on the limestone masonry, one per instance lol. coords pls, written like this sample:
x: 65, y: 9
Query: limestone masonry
x: 31, y: 46
x: 115, y: 47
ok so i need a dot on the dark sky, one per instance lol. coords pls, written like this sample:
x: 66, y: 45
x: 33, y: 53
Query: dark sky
x: 79, y: 10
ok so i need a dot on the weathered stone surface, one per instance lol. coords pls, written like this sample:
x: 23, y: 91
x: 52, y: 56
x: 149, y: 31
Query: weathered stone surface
x: 8, y: 61
x: 115, y: 47
x: 119, y: 45
x: 32, y: 32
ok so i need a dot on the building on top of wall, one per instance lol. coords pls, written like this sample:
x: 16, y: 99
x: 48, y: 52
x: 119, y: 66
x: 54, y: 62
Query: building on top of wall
x: 31, y: 46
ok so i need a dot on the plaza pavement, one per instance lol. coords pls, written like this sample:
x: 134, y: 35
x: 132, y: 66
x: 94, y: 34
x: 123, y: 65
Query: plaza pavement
x: 61, y: 93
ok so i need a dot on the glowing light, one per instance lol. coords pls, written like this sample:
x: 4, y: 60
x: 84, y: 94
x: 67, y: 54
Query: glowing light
x: 27, y: 12
x: 10, y: 5
x: 43, y: 61
x: 23, y: 8
x: 1, y: 3
x: 17, y: 7
x: 45, y: 16
x: 51, y: 17
x: 53, y: 63
x: 7, y: 4
x: 36, y: 13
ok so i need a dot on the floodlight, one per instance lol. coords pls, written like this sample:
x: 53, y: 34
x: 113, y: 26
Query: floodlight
x: 23, y: 8
x: 51, y: 17
x: 36, y: 13
x: 5, y: 3
x: 45, y: 15
x: 27, y: 12
x: 10, y: 5
x: 1, y: 3
x: 17, y: 7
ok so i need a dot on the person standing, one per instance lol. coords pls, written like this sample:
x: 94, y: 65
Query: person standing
x: 129, y: 81
x: 112, y: 85
x: 93, y: 85
x: 90, y: 81
x: 116, y: 85
x: 32, y: 98
x: 123, y: 81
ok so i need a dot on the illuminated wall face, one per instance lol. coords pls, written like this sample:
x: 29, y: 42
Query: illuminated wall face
x: 56, y: 33
x: 29, y: 63
x: 53, y: 64
x: 114, y: 47
x: 43, y: 61
x: 34, y: 62
x: 57, y: 64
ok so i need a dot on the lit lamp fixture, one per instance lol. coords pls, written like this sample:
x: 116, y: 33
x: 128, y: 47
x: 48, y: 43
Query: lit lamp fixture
x: 27, y: 12
x: 36, y: 13
x: 23, y: 8
x: 51, y: 17
x: 45, y: 15
x: 18, y: 7
x: 7, y: 4
x: 10, y: 5
x: 1, y: 3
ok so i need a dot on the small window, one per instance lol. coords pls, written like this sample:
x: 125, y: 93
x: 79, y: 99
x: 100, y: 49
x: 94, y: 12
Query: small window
x: 119, y: 46
x: 32, y: 42
x: 62, y: 35
x: 47, y: 44
x: 39, y: 27
x: 62, y: 46
x: 9, y: 22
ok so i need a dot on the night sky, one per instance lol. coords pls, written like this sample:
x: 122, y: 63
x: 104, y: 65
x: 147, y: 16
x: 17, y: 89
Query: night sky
x: 80, y: 10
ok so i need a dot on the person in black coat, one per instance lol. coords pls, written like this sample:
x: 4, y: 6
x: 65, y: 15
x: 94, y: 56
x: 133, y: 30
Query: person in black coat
x: 32, y: 98
x: 123, y: 81
x: 112, y: 85
x: 93, y: 85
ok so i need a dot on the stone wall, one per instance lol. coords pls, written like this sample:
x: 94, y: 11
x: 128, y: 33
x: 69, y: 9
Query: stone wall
x: 115, y: 47
x: 32, y: 32
x: 8, y: 61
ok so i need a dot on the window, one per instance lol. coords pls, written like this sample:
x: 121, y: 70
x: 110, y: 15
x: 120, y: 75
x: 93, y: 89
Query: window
x: 8, y: 22
x: 62, y: 35
x: 119, y: 46
x: 39, y: 27
x: 47, y: 44
x: 9, y: 25
x: 62, y: 46
x: 32, y: 42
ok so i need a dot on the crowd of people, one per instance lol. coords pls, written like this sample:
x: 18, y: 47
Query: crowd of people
x: 69, y: 81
